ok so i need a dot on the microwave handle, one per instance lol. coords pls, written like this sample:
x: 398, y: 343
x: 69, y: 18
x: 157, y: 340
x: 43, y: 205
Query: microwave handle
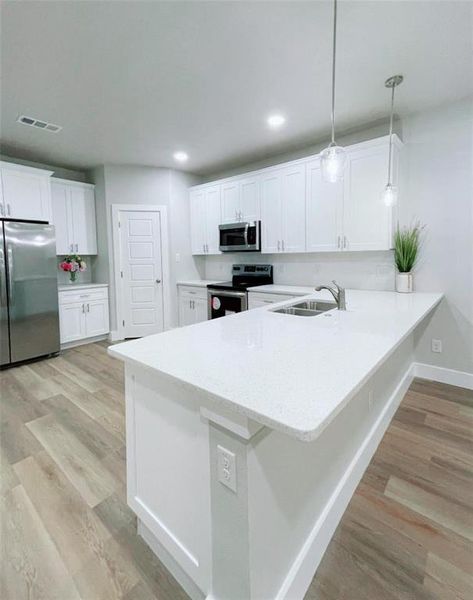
x: 245, y: 234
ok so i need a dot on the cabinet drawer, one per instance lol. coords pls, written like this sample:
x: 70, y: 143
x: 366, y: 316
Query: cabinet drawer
x: 82, y: 295
x: 187, y: 291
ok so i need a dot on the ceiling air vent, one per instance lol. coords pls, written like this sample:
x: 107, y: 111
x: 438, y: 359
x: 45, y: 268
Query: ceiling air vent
x: 39, y: 124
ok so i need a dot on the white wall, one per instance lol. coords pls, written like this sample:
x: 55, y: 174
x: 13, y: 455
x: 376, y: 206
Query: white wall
x: 438, y: 190
x: 125, y: 184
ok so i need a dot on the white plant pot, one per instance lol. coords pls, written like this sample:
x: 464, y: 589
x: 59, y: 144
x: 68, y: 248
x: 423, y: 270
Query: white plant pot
x: 404, y: 283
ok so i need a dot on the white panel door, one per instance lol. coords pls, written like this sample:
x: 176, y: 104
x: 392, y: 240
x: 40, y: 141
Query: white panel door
x: 293, y: 209
x: 26, y: 196
x: 72, y: 322
x: 198, y: 221
x: 231, y: 202
x: 324, y: 211
x: 62, y: 218
x: 366, y: 219
x: 96, y: 321
x: 212, y: 219
x: 271, y: 193
x: 83, y: 220
x: 141, y: 293
x: 250, y: 199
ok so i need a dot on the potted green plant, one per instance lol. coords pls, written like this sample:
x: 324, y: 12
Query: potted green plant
x: 406, y: 252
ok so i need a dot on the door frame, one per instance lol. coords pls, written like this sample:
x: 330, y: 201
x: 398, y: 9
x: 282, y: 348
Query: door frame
x: 162, y: 210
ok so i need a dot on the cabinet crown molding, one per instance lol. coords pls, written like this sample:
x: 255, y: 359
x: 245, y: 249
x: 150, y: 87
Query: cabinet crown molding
x: 25, y: 169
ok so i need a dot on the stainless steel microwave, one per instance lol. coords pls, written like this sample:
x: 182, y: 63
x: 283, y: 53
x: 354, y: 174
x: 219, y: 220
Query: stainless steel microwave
x: 240, y: 237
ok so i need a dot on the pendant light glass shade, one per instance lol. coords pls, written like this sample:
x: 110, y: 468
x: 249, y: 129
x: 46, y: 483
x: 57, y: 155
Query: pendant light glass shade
x: 333, y: 158
x: 332, y: 163
x: 390, y: 195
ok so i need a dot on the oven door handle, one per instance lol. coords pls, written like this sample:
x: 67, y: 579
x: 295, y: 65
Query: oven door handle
x: 231, y: 294
x: 245, y: 234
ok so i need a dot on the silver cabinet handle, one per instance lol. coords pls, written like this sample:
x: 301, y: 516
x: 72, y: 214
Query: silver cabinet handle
x: 2, y: 210
x: 279, y: 245
x: 345, y: 242
x: 338, y: 242
x: 207, y: 248
x: 9, y: 209
x: 282, y: 244
x: 77, y: 247
x: 203, y: 248
x: 72, y: 247
x: 88, y: 307
x: 83, y: 308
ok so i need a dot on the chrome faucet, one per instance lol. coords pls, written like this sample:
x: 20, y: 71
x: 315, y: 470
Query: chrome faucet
x: 337, y: 292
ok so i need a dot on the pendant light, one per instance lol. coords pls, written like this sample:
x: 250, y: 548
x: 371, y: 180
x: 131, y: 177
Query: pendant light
x: 390, y: 191
x: 333, y: 158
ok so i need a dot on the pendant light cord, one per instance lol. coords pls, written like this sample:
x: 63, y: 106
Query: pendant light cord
x: 391, y: 135
x: 333, y: 68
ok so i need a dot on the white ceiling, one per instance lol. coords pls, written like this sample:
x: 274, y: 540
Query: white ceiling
x: 131, y: 82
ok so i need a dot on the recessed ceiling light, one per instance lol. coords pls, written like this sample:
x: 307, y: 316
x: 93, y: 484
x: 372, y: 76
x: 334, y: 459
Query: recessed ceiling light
x: 275, y: 121
x: 181, y: 156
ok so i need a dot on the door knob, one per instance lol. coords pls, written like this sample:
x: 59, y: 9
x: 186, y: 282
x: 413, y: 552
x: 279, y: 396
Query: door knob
x: 158, y: 280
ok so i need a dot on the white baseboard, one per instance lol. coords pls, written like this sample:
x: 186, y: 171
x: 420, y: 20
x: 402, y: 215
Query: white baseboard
x: 443, y: 375
x: 83, y: 342
x: 302, y: 571
x: 114, y: 336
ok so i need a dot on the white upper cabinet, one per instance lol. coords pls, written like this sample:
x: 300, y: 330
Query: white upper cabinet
x: 241, y: 200
x: 283, y: 209
x: 271, y: 198
x: 324, y: 211
x: 205, y: 219
x: 367, y: 221
x: 299, y: 211
x: 26, y: 193
x: 73, y: 207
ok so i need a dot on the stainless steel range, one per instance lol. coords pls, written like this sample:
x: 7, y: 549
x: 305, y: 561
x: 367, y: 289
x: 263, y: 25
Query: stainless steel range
x: 232, y: 296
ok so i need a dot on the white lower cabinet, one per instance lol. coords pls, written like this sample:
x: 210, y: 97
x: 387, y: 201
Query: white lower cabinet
x: 192, y: 305
x: 83, y: 313
x: 258, y: 299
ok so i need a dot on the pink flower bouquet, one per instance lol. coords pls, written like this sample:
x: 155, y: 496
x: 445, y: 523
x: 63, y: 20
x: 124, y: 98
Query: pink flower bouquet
x: 73, y: 264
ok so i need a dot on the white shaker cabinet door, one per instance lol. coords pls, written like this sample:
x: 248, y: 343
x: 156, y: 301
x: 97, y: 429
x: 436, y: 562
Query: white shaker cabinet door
x: 62, y: 218
x: 186, y: 313
x: 72, y: 322
x: 198, y: 221
x: 231, y: 202
x: 83, y: 220
x: 271, y: 195
x: 200, y: 310
x: 250, y: 199
x: 293, y: 209
x: 97, y: 322
x: 26, y: 196
x: 324, y: 211
x: 212, y: 219
x: 366, y: 219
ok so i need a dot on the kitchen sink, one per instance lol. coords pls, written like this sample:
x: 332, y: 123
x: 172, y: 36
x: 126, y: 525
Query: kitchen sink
x: 308, y: 308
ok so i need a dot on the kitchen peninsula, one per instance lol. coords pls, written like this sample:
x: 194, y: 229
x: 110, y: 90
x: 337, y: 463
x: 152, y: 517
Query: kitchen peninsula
x: 247, y: 435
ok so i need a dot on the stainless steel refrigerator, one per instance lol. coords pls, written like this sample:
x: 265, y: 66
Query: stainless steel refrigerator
x: 29, y: 318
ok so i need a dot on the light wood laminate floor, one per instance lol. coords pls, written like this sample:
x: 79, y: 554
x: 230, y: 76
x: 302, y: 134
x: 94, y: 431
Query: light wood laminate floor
x: 68, y: 534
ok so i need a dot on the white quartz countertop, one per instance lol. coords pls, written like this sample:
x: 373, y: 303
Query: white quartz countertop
x: 293, y: 374
x: 70, y: 287
x: 199, y: 282
x: 295, y: 290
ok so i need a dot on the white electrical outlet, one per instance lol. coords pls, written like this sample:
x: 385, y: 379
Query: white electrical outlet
x: 178, y: 257
x: 436, y: 345
x: 226, y: 467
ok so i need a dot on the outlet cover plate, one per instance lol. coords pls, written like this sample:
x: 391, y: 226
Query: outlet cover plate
x: 226, y: 468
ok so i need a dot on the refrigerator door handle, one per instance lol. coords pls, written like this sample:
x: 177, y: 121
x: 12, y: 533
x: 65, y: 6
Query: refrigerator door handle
x: 10, y: 274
